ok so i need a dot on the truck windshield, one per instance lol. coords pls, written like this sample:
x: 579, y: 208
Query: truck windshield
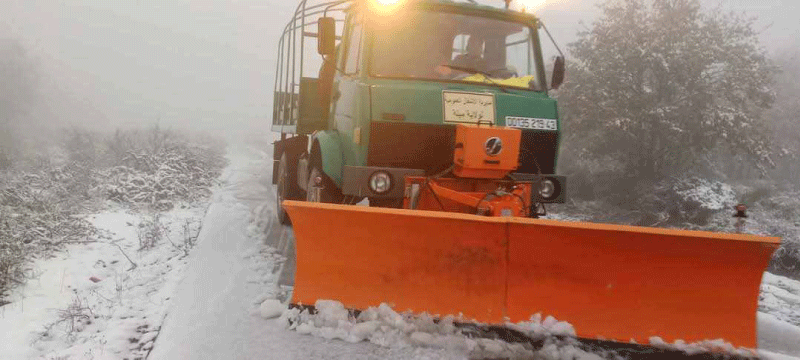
x: 448, y: 46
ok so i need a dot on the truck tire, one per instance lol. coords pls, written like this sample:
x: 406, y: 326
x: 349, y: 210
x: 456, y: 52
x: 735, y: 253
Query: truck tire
x: 286, y: 188
x: 329, y: 193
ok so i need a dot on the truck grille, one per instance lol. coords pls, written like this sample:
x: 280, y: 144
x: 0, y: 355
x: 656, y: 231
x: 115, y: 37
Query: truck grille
x: 430, y: 147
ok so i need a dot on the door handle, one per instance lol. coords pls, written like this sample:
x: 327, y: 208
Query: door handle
x: 336, y: 95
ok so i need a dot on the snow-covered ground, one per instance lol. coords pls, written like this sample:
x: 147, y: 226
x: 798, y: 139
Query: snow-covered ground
x: 215, y: 313
x: 778, y: 339
x: 779, y: 315
x: 219, y: 301
x: 88, y: 302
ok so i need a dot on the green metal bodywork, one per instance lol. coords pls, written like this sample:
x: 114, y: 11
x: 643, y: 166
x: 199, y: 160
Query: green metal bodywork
x: 330, y: 147
x: 421, y: 102
x: 361, y: 98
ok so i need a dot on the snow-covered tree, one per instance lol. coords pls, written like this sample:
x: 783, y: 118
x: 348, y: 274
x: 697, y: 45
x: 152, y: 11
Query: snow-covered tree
x: 656, y: 85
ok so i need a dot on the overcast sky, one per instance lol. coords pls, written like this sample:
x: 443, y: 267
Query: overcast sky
x: 210, y: 64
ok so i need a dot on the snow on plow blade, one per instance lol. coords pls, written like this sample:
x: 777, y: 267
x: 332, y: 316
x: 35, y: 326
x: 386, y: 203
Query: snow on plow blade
x: 610, y: 282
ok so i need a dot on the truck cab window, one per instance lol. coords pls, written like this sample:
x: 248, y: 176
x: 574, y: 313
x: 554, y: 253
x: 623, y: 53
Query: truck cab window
x: 471, y: 52
x: 455, y: 47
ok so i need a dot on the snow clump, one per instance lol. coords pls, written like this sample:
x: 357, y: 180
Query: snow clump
x: 537, y: 328
x: 272, y: 308
x: 704, y: 346
x: 385, y: 327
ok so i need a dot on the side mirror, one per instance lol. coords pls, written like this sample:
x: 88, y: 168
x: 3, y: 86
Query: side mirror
x: 559, y: 69
x: 326, y: 36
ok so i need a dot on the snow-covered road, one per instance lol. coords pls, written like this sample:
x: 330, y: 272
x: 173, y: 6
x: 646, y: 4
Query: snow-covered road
x: 214, y: 312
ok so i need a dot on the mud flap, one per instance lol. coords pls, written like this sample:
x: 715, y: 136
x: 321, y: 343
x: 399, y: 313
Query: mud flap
x: 609, y: 281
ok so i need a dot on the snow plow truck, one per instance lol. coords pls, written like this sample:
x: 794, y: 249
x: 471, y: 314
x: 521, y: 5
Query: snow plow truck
x: 437, y: 113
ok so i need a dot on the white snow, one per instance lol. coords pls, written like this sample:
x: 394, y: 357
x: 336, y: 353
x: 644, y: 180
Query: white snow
x: 779, y: 316
x: 769, y: 355
x: 780, y: 297
x: 778, y: 336
x: 550, y: 326
x: 216, y: 309
x: 272, y: 308
x: 717, y: 345
x: 383, y: 326
x: 711, y: 195
x: 87, y: 302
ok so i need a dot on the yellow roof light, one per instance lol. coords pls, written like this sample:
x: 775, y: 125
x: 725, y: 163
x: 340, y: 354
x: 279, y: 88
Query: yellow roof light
x: 527, y: 6
x: 385, y: 7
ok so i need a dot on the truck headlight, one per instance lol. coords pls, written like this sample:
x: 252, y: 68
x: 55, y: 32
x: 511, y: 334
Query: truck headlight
x: 547, y: 189
x: 380, y: 182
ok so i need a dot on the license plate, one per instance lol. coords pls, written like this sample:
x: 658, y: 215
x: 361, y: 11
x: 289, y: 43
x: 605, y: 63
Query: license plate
x: 532, y: 123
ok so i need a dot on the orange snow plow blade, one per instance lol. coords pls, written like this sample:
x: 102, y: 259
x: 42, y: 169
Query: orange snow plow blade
x: 610, y: 282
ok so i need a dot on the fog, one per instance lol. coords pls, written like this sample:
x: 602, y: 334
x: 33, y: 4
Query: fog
x: 210, y: 64
x: 776, y: 19
x: 200, y: 64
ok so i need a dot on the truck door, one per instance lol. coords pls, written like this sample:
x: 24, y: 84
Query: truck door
x: 345, y: 97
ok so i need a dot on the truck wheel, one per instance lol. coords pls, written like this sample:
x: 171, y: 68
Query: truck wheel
x: 287, y: 189
x: 329, y: 193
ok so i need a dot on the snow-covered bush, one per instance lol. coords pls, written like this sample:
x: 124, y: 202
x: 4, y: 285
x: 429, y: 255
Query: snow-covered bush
x: 786, y: 260
x: 159, y: 167
x: 150, y: 231
x: 72, y: 320
x: 12, y: 260
x: 688, y: 200
x: 779, y: 215
x: 40, y: 208
x: 153, y: 167
x: 37, y: 213
x: 41, y: 198
x: 698, y: 198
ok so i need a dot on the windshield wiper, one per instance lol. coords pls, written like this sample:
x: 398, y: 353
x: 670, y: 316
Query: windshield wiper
x: 475, y: 71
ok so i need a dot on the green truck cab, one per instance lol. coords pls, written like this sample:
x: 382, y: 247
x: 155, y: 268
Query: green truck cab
x: 393, y: 78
